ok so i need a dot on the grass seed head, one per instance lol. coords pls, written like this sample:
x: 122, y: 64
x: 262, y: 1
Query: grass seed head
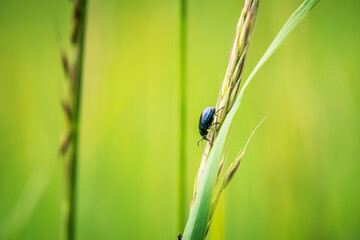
x: 231, y: 83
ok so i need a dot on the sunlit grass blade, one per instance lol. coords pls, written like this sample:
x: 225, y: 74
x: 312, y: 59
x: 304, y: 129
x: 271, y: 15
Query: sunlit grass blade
x: 199, y: 216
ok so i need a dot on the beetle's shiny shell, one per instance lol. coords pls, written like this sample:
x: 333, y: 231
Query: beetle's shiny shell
x: 206, y: 118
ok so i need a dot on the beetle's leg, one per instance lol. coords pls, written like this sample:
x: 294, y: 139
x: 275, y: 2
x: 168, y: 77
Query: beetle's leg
x: 208, y: 140
x: 215, y: 123
x: 202, y: 143
x: 219, y: 110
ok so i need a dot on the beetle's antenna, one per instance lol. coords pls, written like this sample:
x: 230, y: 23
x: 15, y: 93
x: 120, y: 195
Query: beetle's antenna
x: 200, y: 141
x: 202, y: 144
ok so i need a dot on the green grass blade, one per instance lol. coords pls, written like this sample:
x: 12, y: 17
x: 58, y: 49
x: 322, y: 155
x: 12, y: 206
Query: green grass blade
x: 198, y: 219
x: 291, y: 23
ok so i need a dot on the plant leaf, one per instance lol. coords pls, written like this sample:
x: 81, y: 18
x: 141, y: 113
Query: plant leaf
x: 197, y: 223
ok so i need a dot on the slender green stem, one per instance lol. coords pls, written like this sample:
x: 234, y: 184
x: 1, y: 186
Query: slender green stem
x: 72, y: 164
x: 182, y: 125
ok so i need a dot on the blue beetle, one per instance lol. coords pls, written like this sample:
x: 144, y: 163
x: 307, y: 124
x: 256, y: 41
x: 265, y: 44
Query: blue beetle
x: 205, y: 122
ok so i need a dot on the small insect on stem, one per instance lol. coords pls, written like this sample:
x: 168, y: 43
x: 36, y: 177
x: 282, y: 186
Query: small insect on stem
x: 205, y: 123
x: 179, y: 237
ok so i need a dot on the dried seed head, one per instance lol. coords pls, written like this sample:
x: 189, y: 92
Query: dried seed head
x: 76, y: 16
x: 65, y: 63
x: 237, y: 59
x: 67, y: 110
x: 233, y: 76
x: 65, y: 144
x: 232, y: 169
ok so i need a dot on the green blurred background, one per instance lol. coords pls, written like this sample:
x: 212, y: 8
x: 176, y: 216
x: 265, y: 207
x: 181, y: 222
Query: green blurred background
x: 300, y: 176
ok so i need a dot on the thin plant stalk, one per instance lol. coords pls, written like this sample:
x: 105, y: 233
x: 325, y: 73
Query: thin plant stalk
x: 182, y: 123
x: 70, y: 146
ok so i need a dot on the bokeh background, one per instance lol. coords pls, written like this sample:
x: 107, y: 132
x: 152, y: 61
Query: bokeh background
x: 300, y: 176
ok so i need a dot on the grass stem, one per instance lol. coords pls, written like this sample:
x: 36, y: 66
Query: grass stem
x: 182, y: 123
x: 72, y: 109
